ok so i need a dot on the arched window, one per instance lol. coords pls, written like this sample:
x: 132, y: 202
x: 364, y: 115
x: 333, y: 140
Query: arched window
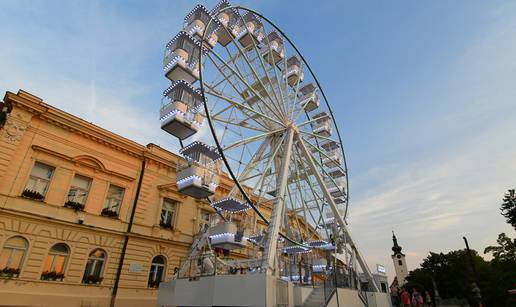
x: 400, y: 263
x: 94, y: 267
x: 54, y: 268
x: 12, y: 255
x: 157, y: 271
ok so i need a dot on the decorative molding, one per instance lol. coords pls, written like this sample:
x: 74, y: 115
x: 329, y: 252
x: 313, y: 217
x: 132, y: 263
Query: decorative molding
x: 74, y: 124
x: 169, y: 190
x: 15, y: 128
x: 82, y: 148
x: 84, y: 160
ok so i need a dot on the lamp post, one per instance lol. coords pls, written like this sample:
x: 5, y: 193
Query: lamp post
x: 437, y: 298
x: 471, y: 259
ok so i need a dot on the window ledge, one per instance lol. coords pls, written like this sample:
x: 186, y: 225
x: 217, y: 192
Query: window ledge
x: 37, y: 200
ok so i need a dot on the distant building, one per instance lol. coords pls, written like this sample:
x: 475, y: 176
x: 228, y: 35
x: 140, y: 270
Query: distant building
x: 398, y: 259
x: 87, y: 217
x: 380, y: 278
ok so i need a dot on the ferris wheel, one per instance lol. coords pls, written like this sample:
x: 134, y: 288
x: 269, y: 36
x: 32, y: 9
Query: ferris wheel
x: 249, y: 107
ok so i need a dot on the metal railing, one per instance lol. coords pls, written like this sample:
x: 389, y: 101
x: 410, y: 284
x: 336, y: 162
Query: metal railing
x: 212, y: 265
x: 330, y: 288
x: 296, y: 272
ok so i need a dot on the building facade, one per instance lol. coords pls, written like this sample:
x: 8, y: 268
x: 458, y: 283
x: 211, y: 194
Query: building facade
x: 87, y: 217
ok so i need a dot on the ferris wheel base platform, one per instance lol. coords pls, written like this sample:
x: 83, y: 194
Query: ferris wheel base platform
x: 247, y: 290
x: 254, y: 290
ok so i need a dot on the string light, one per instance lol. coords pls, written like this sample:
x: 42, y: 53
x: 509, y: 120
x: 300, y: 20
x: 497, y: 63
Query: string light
x: 202, y: 9
x: 200, y: 147
x: 231, y: 204
x: 295, y: 249
x: 317, y: 243
x: 184, y: 85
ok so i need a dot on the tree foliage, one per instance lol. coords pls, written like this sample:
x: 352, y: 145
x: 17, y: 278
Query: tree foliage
x: 508, y: 207
x: 453, y: 274
x: 505, y: 251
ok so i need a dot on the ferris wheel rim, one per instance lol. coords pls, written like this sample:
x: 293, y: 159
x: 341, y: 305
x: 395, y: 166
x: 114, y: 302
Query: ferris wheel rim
x: 220, y: 148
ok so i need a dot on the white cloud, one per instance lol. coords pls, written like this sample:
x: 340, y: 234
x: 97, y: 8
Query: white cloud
x: 432, y: 202
x: 87, y: 59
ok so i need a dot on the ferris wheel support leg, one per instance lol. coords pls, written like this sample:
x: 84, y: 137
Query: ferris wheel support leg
x: 335, y: 211
x: 277, y: 209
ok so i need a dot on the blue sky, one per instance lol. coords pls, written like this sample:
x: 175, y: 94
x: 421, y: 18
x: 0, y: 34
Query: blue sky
x: 424, y: 92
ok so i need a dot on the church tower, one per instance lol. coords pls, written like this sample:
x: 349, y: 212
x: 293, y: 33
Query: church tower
x: 398, y: 258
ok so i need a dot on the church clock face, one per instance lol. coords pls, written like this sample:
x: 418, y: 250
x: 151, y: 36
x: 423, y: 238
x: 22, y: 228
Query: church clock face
x: 399, y: 256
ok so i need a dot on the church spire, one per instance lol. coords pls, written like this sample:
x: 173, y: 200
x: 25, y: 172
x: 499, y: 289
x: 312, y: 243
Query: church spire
x: 396, y: 248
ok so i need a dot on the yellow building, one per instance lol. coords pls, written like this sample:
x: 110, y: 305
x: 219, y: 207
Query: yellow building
x: 74, y: 198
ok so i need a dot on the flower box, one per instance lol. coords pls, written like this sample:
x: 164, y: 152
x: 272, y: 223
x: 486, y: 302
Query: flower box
x: 165, y: 225
x: 109, y: 213
x: 53, y: 276
x: 92, y: 280
x: 9, y: 272
x: 33, y: 195
x: 74, y: 205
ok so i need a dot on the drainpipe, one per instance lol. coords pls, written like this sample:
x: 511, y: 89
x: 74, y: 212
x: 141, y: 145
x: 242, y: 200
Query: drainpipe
x: 126, y: 237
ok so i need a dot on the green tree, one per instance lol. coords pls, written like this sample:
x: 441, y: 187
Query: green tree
x: 452, y: 273
x: 504, y: 269
x: 505, y: 251
x: 508, y: 207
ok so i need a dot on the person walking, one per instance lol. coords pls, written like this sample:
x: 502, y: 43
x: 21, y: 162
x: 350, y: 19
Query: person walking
x: 428, y: 299
x: 395, y: 293
x: 477, y: 296
x: 417, y: 299
x: 405, y: 298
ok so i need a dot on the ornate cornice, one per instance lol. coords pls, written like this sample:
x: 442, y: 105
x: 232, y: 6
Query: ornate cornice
x: 84, y: 160
x: 73, y: 123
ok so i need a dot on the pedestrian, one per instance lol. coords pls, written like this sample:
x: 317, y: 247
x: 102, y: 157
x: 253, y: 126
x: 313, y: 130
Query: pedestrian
x: 395, y: 293
x: 405, y: 298
x: 477, y: 296
x: 428, y: 299
x: 417, y: 299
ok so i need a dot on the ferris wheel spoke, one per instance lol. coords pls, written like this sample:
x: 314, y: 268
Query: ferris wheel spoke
x: 295, y: 215
x: 251, y: 139
x: 265, y: 172
x: 235, y: 88
x: 266, y: 177
x: 258, y: 105
x: 321, y: 152
x: 291, y: 102
x: 327, y: 195
x: 302, y: 203
x: 251, y: 165
x: 319, y: 136
x: 212, y: 91
x: 316, y: 197
x: 241, y: 106
x: 258, y: 79
x: 238, y: 124
x: 239, y: 77
x: 244, y: 121
x: 311, y: 121
x: 296, y: 107
x: 274, y: 68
